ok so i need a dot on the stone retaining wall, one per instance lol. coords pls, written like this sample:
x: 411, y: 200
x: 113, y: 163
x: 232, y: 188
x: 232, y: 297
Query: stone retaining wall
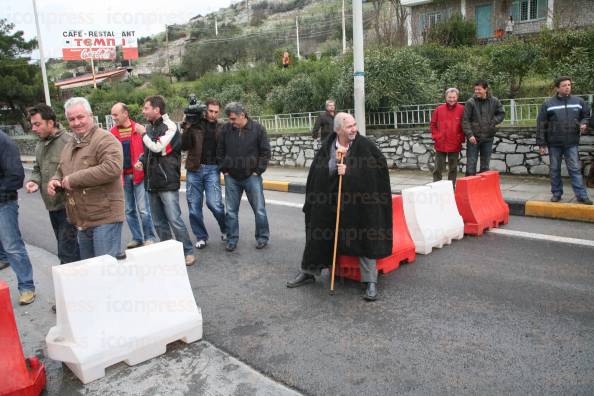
x: 514, y: 150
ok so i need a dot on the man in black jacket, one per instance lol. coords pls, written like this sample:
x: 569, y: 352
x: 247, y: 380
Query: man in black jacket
x: 243, y: 152
x: 325, y: 123
x: 482, y: 113
x: 560, y: 121
x: 366, y: 207
x: 161, y: 161
x: 12, y: 176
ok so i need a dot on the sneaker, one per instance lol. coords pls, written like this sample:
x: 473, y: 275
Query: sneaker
x: 585, y: 201
x: 27, y: 297
x: 201, y: 244
x: 224, y: 237
x: 121, y: 256
x: 148, y: 242
x: 230, y: 247
x: 133, y: 244
x: 4, y: 264
x: 261, y: 244
x: 555, y: 198
x: 190, y: 259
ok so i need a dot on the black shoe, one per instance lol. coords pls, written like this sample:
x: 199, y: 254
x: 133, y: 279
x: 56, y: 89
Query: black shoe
x: 4, y: 264
x: 371, y: 292
x: 261, y: 244
x: 301, y: 279
x: 585, y: 201
x: 230, y: 247
x: 54, y: 308
x: 121, y: 256
x: 555, y: 198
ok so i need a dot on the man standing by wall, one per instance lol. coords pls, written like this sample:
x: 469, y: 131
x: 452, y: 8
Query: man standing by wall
x: 243, y: 153
x: 366, y: 212
x: 128, y: 133
x: 482, y: 113
x: 560, y: 121
x: 89, y: 171
x: 324, y: 126
x: 12, y: 175
x: 47, y: 155
x: 203, y: 176
x: 161, y: 162
x: 446, y: 131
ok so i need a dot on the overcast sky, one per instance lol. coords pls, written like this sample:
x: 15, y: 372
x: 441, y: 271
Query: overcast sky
x: 145, y: 17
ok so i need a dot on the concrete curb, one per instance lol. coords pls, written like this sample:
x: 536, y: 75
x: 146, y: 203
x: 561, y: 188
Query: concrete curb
x: 517, y: 207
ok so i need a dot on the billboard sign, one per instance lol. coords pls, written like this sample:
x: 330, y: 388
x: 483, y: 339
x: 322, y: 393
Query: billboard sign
x: 99, y: 45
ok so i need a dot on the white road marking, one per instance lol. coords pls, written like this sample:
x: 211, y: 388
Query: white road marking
x: 542, y: 237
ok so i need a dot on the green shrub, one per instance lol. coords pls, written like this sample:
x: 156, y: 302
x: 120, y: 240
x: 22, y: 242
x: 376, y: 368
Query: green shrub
x: 454, y: 31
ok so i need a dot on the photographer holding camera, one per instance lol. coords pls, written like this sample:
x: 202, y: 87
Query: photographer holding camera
x: 202, y: 129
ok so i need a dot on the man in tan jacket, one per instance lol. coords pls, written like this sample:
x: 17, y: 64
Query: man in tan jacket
x: 89, y: 172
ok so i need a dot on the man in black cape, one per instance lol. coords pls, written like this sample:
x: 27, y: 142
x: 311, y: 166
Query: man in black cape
x: 366, y: 207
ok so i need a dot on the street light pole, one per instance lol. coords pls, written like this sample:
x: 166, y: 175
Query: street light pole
x: 41, y: 57
x: 343, y: 30
x: 358, y: 65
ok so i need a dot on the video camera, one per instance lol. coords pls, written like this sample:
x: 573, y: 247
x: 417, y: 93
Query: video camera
x: 195, y: 110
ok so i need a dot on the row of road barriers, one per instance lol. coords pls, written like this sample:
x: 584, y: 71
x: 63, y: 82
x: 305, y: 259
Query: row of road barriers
x: 433, y: 215
x: 110, y: 311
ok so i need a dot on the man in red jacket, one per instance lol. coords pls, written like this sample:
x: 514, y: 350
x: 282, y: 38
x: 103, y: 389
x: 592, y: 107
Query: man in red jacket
x: 446, y: 131
x: 129, y: 134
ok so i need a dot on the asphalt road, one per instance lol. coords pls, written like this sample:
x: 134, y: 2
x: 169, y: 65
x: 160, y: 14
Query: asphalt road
x: 489, y: 315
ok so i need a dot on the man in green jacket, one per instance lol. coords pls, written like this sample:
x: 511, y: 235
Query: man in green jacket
x: 52, y: 140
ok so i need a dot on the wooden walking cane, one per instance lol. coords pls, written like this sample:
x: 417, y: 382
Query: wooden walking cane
x: 336, y: 229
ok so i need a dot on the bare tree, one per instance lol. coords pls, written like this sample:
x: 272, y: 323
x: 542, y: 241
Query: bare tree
x: 390, y: 22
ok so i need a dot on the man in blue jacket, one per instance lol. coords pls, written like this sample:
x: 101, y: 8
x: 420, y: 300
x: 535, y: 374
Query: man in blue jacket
x: 12, y: 175
x: 560, y: 121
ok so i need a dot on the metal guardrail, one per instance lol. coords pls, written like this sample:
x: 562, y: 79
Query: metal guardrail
x: 521, y: 111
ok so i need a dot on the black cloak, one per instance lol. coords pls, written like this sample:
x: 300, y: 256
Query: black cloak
x: 366, y: 207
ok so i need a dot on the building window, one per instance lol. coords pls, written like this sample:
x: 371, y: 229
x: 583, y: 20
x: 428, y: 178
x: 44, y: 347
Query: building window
x: 528, y: 10
x: 433, y: 18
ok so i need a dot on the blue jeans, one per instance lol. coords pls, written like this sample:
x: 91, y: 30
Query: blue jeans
x: 137, y: 205
x: 167, y: 213
x: 3, y: 257
x: 485, y: 148
x: 204, y: 181
x: 13, y: 245
x: 66, y: 235
x: 100, y: 240
x: 573, y: 168
x: 255, y: 194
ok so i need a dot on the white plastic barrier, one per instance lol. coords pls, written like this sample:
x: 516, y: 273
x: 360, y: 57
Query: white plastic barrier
x: 453, y: 224
x: 432, y: 216
x: 110, y: 311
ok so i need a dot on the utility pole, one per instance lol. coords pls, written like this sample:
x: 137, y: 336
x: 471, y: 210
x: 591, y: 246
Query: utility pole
x: 297, y: 29
x: 343, y: 30
x: 216, y: 27
x: 358, y: 65
x: 167, y: 52
x: 41, y: 57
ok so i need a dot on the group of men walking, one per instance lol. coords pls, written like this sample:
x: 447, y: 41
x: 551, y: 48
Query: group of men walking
x: 91, y: 180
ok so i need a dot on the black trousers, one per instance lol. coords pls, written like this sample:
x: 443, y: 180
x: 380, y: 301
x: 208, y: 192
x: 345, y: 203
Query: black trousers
x: 66, y: 236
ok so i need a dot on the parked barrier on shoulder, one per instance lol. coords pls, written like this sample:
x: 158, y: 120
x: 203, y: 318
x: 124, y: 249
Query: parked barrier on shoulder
x: 481, y: 203
x: 18, y: 376
x: 430, y: 216
x: 110, y: 311
x: 403, y: 248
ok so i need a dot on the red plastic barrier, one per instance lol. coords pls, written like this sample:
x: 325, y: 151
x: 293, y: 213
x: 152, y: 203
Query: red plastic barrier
x: 403, y: 248
x: 481, y: 203
x: 17, y: 376
x: 493, y: 185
